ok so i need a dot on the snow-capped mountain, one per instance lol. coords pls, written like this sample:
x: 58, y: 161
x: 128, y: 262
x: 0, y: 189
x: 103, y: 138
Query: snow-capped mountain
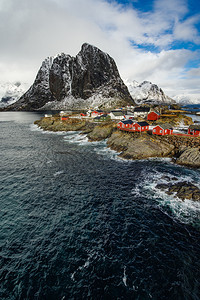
x: 11, y: 92
x: 187, y: 98
x: 147, y: 92
x: 91, y: 79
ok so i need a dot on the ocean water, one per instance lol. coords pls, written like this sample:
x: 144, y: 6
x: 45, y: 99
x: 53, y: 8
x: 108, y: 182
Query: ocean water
x: 77, y: 222
x: 192, y: 107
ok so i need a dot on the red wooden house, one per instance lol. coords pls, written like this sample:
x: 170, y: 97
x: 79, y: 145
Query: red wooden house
x: 153, y: 116
x: 140, y: 126
x: 83, y: 114
x: 125, y: 124
x: 163, y: 129
x: 194, y: 129
x: 64, y: 118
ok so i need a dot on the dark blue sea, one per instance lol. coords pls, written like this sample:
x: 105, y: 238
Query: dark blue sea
x: 77, y: 222
x: 194, y: 108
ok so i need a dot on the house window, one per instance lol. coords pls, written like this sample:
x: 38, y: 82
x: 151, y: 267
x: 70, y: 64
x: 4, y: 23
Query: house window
x: 160, y: 131
x: 165, y: 130
x: 154, y: 130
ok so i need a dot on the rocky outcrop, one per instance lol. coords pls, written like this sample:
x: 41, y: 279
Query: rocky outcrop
x: 190, y: 157
x: 139, y: 146
x: 101, y: 132
x: 183, y: 190
x: 55, y: 124
x: 91, y: 79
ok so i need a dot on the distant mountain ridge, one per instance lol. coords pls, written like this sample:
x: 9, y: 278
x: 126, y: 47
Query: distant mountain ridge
x: 11, y: 92
x: 147, y: 93
x: 187, y: 99
x: 91, y: 79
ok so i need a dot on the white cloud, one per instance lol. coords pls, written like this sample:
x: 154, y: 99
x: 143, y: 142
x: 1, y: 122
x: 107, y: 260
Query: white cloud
x: 32, y: 30
x: 186, y: 30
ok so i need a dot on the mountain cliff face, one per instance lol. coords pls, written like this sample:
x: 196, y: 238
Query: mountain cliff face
x: 147, y: 92
x: 91, y: 79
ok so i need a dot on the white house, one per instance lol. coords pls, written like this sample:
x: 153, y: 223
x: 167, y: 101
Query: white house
x: 117, y: 115
x: 141, y: 111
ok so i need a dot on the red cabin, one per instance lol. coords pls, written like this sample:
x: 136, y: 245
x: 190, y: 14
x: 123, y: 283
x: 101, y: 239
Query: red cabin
x: 125, y: 124
x: 140, y: 126
x: 83, y: 115
x: 163, y: 129
x: 194, y: 129
x: 64, y: 118
x: 153, y: 116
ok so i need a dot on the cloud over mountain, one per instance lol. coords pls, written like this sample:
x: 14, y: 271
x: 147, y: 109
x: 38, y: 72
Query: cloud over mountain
x: 156, y: 41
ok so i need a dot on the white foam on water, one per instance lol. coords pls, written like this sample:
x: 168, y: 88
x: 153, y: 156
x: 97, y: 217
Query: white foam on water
x: 100, y: 147
x: 107, y: 153
x: 187, y: 211
x: 75, y: 137
x: 58, y: 173
x: 34, y: 127
x: 86, y: 264
x: 124, y: 277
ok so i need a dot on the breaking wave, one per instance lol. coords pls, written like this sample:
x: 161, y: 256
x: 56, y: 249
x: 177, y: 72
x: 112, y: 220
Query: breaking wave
x: 187, y: 211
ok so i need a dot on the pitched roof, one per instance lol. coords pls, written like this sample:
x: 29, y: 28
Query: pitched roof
x: 165, y: 126
x: 194, y: 127
x: 142, y: 123
x: 117, y: 113
x: 142, y: 109
x: 155, y: 112
x: 127, y: 122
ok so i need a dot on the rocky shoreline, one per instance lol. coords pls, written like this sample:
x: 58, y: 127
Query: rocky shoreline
x: 183, y: 150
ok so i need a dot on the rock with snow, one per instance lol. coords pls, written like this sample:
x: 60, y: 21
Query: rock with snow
x: 11, y: 92
x: 91, y: 79
x: 147, y: 92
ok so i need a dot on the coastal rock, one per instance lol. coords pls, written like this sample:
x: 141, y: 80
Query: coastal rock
x: 101, y: 132
x: 182, y: 190
x: 139, y: 146
x: 55, y: 124
x: 91, y: 79
x: 190, y: 157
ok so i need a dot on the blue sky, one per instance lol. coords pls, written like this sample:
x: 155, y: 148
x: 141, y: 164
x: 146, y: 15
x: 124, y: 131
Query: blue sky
x: 155, y: 40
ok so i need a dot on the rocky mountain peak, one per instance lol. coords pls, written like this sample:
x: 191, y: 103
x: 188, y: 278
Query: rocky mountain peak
x: 147, y: 92
x: 91, y: 79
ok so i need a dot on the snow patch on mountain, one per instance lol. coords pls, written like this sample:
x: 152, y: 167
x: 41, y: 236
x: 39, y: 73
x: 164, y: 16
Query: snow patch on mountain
x: 147, y: 92
x: 10, y: 92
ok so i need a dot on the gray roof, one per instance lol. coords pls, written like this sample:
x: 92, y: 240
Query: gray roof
x: 117, y: 113
x: 142, y: 124
x: 127, y: 122
x: 165, y: 126
x: 142, y: 109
